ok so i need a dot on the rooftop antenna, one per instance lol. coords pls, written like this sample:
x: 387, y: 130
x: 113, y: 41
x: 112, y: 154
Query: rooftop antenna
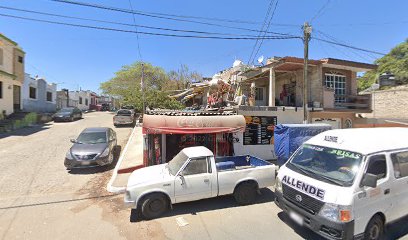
x: 260, y: 60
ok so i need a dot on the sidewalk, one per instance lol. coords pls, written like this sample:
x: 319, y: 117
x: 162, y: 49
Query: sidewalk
x: 130, y: 157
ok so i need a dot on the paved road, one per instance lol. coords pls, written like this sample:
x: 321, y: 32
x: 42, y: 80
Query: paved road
x: 39, y: 199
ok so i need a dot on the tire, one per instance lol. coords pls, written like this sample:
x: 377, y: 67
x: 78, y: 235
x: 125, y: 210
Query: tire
x: 245, y: 193
x: 154, y: 205
x: 374, y: 229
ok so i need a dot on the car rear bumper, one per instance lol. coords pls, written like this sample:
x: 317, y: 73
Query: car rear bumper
x: 316, y: 223
x: 62, y: 119
x: 74, y: 163
x: 122, y: 122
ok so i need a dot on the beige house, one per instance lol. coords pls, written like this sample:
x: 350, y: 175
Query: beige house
x: 273, y: 94
x: 11, y: 76
x: 332, y: 90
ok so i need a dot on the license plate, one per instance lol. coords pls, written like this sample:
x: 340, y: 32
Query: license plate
x: 296, y: 218
x: 85, y: 163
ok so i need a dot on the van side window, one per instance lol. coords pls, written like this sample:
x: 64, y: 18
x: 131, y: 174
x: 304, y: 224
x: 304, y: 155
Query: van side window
x: 196, y: 166
x: 377, y: 165
x: 400, y: 164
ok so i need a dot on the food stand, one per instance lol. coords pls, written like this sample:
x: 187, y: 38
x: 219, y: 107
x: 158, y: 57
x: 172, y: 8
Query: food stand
x: 165, y: 134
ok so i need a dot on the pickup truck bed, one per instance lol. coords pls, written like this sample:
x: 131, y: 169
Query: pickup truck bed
x: 232, y: 170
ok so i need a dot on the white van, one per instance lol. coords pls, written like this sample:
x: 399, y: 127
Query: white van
x: 348, y: 183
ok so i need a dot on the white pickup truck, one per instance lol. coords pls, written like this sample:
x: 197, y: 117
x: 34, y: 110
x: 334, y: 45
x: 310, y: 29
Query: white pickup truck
x: 195, y: 174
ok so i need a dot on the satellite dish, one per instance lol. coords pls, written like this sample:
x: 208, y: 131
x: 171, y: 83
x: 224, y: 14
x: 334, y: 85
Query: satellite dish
x: 260, y: 59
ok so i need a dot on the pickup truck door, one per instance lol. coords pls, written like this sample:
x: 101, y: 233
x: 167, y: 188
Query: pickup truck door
x: 194, y: 182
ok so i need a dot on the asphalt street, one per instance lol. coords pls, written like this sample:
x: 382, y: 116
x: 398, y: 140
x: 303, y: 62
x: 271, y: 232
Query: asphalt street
x: 40, y: 199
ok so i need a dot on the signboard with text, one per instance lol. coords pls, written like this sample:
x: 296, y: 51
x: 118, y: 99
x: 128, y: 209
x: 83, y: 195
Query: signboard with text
x: 259, y: 130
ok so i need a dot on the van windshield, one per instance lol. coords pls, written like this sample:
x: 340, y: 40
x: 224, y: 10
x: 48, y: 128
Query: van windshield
x: 331, y: 165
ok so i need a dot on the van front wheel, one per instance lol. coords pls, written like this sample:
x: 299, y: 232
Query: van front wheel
x: 374, y: 229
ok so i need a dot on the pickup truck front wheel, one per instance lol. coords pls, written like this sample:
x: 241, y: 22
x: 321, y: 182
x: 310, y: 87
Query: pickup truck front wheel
x: 154, y: 205
x: 245, y: 193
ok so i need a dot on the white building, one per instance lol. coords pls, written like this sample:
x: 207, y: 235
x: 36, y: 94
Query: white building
x: 38, y: 95
x: 83, y: 98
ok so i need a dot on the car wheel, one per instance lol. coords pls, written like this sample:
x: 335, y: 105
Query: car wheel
x: 245, y: 193
x: 154, y: 205
x: 374, y: 229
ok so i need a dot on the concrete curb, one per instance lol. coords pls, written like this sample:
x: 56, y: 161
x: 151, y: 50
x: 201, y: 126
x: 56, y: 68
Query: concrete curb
x: 109, y: 187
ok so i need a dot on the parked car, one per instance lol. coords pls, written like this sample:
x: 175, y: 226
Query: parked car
x: 348, y: 183
x: 67, y: 114
x: 124, y: 117
x: 194, y: 174
x: 93, y: 147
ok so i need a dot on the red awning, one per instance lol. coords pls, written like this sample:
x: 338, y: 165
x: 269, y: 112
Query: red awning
x: 159, y: 124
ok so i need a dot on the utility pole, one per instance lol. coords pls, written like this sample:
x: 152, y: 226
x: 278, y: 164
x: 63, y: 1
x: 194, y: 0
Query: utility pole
x: 307, y: 30
x: 143, y: 91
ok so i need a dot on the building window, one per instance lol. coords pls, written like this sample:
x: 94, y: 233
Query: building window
x: 259, y: 94
x: 33, y: 93
x: 86, y: 101
x: 1, y: 89
x: 80, y: 100
x: 49, y: 96
x: 20, y: 59
x: 338, y: 84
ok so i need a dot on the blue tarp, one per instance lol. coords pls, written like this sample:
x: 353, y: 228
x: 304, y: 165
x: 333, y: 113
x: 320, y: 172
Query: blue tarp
x: 289, y: 137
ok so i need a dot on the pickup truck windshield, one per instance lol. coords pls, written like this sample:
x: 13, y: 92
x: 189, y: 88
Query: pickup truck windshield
x: 177, y: 162
x: 331, y: 165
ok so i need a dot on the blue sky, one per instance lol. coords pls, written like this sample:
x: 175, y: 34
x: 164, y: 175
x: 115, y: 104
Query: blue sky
x: 76, y: 57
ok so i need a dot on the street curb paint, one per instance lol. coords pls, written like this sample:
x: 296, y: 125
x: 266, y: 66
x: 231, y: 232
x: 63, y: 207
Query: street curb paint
x: 109, y: 187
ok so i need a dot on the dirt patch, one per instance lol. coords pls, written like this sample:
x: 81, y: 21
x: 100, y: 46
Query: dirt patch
x: 113, y: 210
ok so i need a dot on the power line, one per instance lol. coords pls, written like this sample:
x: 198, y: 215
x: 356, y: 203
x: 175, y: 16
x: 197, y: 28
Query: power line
x: 155, y: 16
x: 262, y: 29
x: 362, y: 24
x: 349, y: 46
x: 148, y: 33
x: 137, y: 35
x: 320, y: 11
x: 122, y: 24
x: 235, y: 21
x: 327, y: 36
x: 267, y: 28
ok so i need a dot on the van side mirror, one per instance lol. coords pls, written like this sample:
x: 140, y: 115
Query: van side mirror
x: 369, y: 180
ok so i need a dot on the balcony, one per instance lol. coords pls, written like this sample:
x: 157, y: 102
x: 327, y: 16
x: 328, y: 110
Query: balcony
x: 351, y: 103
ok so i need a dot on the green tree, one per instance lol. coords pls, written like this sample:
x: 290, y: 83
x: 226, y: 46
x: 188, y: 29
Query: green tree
x: 126, y: 85
x: 396, y: 62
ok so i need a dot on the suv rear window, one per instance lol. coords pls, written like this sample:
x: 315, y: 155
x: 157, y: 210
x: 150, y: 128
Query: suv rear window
x: 124, y: 113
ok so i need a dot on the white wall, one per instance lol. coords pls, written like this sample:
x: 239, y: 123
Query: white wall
x: 266, y: 152
x: 74, y: 95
